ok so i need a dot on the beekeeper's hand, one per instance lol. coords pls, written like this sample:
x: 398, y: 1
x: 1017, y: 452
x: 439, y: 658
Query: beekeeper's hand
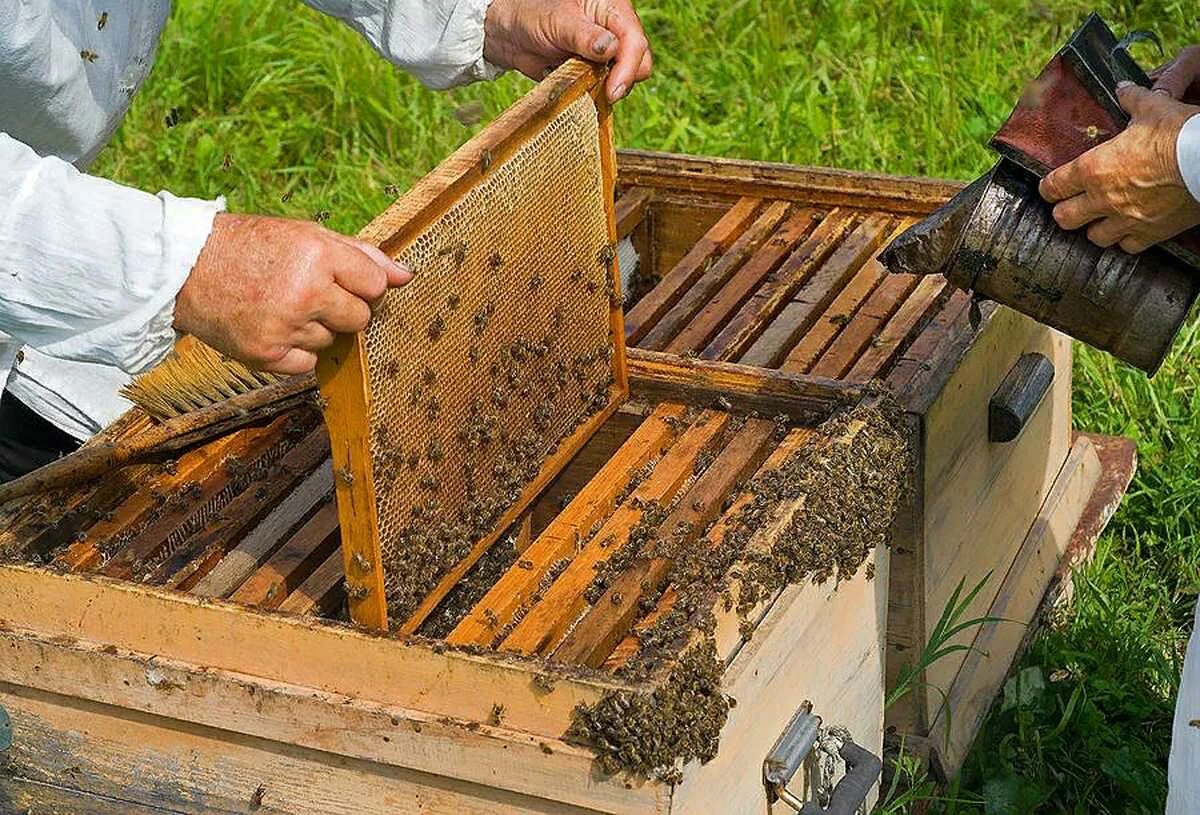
x: 1131, y: 190
x: 535, y: 36
x: 1180, y: 78
x: 272, y: 292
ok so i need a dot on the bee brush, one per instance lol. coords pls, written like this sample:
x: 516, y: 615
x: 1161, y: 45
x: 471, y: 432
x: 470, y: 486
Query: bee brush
x: 196, y: 394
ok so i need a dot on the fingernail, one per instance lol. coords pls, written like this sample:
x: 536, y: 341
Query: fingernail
x: 603, y: 43
x: 1123, y: 84
x: 618, y: 92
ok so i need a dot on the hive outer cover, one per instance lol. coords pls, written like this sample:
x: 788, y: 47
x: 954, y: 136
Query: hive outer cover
x: 475, y: 383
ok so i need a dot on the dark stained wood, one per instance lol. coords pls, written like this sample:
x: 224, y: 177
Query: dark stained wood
x: 813, y: 185
x: 729, y: 297
x: 295, y: 560
x: 203, y: 550
x: 642, y: 317
x: 916, y: 311
x: 758, y: 314
x: 712, y: 278
x: 631, y: 209
x: 817, y: 292
x: 863, y: 326
x: 805, y: 399
x: 191, y: 504
x: 322, y: 592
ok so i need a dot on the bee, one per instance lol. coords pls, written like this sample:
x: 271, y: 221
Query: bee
x: 87, y: 55
x: 227, y: 162
x: 321, y: 216
x: 391, y: 190
x: 287, y: 196
x: 172, y: 117
x: 495, y: 261
x: 102, y: 21
x: 437, y: 327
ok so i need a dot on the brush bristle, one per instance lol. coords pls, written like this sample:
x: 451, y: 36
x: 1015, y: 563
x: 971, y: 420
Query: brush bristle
x: 192, y: 377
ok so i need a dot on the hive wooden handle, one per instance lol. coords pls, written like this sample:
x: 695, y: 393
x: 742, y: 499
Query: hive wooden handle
x: 163, y: 440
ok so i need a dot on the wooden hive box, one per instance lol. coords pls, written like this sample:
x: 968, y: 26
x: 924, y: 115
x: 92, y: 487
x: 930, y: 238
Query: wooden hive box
x: 774, y: 267
x: 176, y: 638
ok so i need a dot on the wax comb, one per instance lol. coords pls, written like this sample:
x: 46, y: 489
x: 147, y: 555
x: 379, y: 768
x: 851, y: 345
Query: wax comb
x: 476, y: 383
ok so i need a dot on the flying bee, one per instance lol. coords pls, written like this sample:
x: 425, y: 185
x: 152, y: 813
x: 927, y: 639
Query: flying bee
x: 87, y: 55
x: 172, y: 117
x: 102, y: 21
x: 321, y: 216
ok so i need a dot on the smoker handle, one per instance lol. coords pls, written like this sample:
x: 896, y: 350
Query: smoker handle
x: 1018, y: 397
x: 788, y: 754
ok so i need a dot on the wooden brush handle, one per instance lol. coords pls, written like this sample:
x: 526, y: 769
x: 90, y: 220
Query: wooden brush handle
x: 162, y: 440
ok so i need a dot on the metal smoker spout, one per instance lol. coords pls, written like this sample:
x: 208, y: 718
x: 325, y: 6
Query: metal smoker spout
x: 998, y: 238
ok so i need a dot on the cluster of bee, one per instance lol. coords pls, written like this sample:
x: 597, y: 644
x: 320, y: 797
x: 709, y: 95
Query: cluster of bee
x: 651, y: 734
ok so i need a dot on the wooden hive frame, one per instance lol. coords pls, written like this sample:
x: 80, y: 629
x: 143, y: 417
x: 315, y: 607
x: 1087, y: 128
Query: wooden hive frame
x: 343, y: 369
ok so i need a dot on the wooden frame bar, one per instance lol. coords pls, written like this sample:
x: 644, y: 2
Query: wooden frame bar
x: 342, y: 369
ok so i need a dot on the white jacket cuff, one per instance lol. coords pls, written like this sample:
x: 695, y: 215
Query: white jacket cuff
x: 187, y: 223
x: 1187, y: 154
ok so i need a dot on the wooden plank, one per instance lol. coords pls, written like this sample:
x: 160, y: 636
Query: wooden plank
x: 856, y: 337
x: 321, y: 591
x: 544, y: 626
x: 595, y: 502
x: 601, y: 447
x: 192, y: 504
x: 949, y: 321
x: 643, y: 316
x: 608, y: 621
x: 982, y: 497
x: 253, y: 550
x: 299, y: 650
x: 195, y: 557
x: 724, y: 302
x: 805, y: 399
x: 816, y: 292
x: 156, y: 762
x: 18, y: 795
x: 760, y: 312
x: 713, y: 277
x: 85, y: 554
x: 631, y: 209
x: 616, y: 314
x: 810, y: 346
x: 551, y: 467
x: 312, y: 544
x: 130, y: 686
x: 715, y: 177
x: 995, y: 645
x: 918, y: 307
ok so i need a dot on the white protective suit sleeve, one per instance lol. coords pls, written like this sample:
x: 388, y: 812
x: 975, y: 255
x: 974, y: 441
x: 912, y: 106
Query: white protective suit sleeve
x: 438, y: 41
x: 89, y: 269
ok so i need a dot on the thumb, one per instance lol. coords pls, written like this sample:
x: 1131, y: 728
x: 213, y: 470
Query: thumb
x: 1134, y: 98
x: 580, y: 36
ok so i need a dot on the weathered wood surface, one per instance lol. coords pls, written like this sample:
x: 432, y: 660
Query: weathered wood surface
x: 812, y: 185
x: 302, y: 651
x: 1016, y: 603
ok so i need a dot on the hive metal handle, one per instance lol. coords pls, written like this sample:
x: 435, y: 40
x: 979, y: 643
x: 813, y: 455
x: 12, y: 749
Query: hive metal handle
x: 794, y: 746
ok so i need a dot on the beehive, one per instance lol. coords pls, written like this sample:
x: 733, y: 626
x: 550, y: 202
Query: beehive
x: 477, y: 381
x: 199, y: 610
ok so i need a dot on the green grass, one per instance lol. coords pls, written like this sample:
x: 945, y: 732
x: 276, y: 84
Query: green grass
x: 311, y: 120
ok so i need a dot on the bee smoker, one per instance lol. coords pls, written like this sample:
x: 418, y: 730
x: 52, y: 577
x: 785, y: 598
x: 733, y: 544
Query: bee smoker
x: 998, y: 238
